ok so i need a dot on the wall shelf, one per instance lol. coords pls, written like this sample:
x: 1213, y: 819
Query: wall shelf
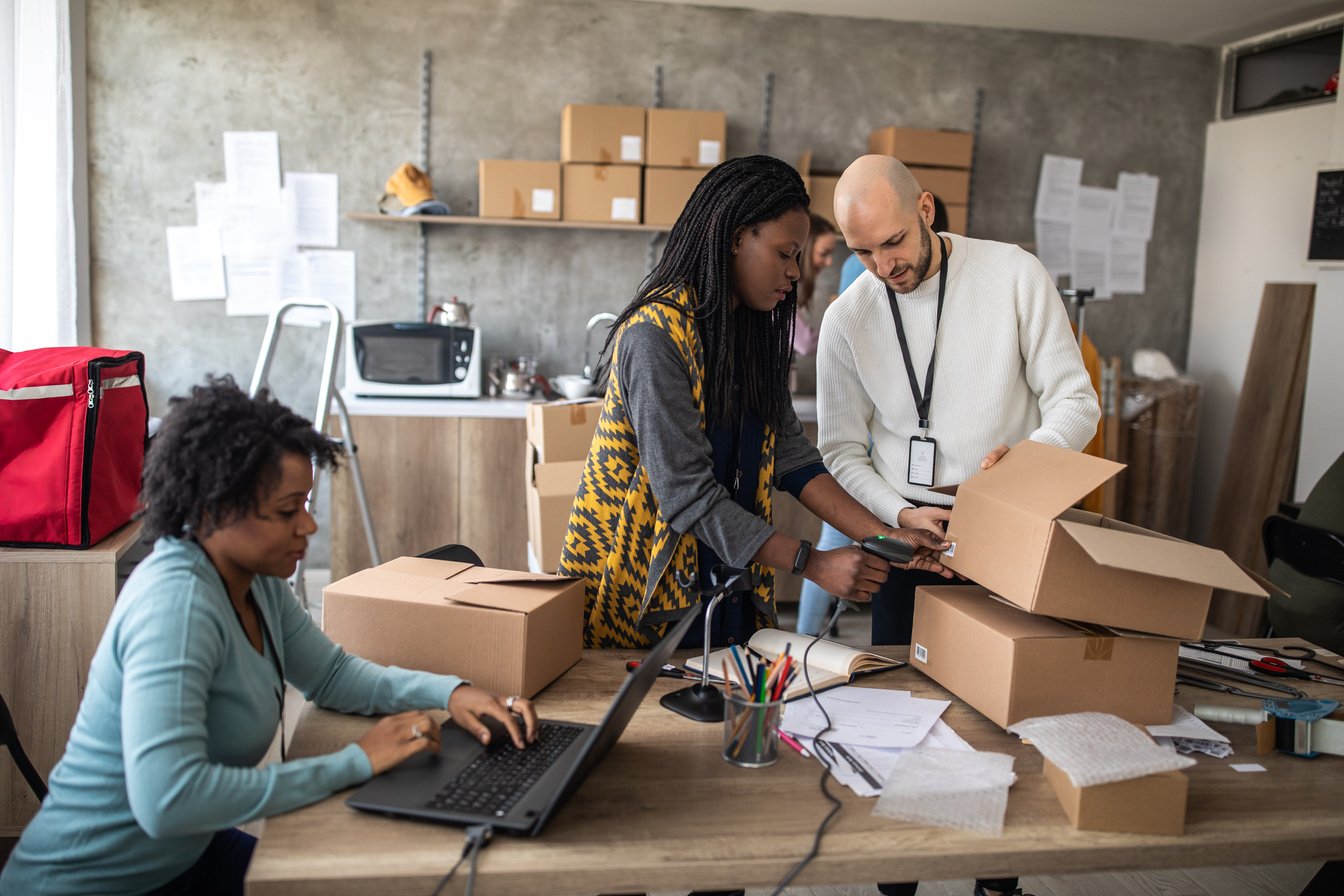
x: 477, y: 221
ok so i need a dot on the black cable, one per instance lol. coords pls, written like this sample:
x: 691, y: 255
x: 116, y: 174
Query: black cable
x: 840, y: 607
x: 478, y: 835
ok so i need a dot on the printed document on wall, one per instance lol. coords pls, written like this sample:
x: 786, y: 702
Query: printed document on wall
x: 328, y: 275
x: 1137, y: 204
x: 254, y: 285
x: 1092, y: 240
x: 195, y: 263
x: 252, y: 162
x: 1057, y: 191
x: 1129, y: 262
x: 311, y: 206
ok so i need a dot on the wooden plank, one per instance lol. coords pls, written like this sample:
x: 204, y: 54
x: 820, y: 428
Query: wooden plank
x: 491, y: 493
x: 1111, y: 432
x: 1262, y: 447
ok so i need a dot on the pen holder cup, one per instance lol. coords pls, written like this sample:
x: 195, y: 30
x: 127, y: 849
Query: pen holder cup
x: 750, y: 731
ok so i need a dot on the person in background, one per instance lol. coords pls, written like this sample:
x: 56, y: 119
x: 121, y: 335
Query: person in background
x: 818, y: 255
x: 186, y: 688
x: 942, y: 354
x: 815, y: 605
x: 698, y: 429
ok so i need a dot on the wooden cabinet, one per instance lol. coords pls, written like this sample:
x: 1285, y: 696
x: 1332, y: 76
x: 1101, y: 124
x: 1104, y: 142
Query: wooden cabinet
x: 54, y: 605
x: 433, y: 481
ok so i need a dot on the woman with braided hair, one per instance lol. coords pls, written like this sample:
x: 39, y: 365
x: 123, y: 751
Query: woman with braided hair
x: 698, y: 429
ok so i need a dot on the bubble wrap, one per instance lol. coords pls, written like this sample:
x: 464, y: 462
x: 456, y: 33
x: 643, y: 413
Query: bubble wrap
x: 949, y: 788
x: 1097, y: 747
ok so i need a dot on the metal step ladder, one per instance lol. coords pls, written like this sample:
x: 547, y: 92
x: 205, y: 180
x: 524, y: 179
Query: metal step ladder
x: 327, y: 394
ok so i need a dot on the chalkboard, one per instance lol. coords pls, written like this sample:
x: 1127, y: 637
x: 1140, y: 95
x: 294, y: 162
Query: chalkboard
x: 1327, y: 218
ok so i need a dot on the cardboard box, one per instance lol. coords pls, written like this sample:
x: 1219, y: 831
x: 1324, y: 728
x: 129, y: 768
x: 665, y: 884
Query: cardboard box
x: 601, y: 193
x: 666, y: 191
x: 952, y: 185
x: 610, y: 135
x: 1153, y: 804
x: 508, y: 632
x: 956, y: 218
x: 550, y: 498
x: 510, y: 188
x: 563, y: 430
x: 686, y: 138
x: 1012, y: 531
x: 916, y: 146
x: 820, y: 188
x: 1012, y: 665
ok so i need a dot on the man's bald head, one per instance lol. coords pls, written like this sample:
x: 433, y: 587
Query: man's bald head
x: 874, y: 181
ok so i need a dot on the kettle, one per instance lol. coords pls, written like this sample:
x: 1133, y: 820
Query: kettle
x: 450, y: 314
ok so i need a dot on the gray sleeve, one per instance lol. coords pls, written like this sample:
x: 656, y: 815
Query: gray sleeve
x: 675, y: 452
x: 793, y: 449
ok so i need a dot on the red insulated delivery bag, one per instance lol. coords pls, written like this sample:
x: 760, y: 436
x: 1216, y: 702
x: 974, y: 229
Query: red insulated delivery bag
x: 73, y: 424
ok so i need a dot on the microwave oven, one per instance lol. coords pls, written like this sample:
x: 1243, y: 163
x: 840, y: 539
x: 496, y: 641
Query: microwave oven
x: 400, y: 359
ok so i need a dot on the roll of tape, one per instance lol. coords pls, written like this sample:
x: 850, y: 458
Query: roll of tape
x: 1234, y: 714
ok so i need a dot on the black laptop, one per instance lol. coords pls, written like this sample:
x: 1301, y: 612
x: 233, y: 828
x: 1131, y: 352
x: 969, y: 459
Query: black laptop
x: 515, y: 791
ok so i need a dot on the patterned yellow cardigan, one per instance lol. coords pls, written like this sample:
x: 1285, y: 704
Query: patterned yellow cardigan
x: 639, y: 574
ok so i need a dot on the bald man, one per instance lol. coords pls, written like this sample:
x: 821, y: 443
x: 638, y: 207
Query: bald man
x: 1006, y: 367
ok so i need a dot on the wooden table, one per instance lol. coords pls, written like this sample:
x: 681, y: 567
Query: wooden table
x: 663, y: 811
x: 54, y: 605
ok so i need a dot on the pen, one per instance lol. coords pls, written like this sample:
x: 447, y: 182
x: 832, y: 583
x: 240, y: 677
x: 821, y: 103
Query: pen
x: 858, y: 766
x: 668, y: 670
x: 797, y: 746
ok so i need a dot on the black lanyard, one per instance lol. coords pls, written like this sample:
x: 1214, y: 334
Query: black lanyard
x: 267, y: 642
x: 922, y: 403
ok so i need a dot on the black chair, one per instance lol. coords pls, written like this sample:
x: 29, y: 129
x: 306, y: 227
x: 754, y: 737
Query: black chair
x: 458, y: 553
x: 1310, y: 550
x: 9, y: 736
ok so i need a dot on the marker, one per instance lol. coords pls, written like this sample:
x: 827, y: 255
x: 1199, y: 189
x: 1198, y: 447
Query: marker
x: 797, y: 746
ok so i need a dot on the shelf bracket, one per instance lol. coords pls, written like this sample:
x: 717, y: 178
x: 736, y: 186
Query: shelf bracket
x: 975, y: 152
x: 657, y: 101
x: 422, y: 243
x: 767, y: 106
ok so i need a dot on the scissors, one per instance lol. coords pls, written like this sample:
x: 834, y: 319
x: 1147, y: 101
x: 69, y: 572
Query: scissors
x: 1298, y: 652
x: 1272, y: 665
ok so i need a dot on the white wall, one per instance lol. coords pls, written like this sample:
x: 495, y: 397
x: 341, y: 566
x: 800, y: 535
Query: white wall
x: 1259, y: 180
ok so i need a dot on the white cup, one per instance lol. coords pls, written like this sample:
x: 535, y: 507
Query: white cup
x: 573, y: 386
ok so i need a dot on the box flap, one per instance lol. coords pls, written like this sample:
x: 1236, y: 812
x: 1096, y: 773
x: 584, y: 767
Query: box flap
x: 1042, y: 478
x: 1005, y: 618
x: 510, y: 596
x: 1161, y: 557
x: 423, y: 566
x: 558, y: 478
x: 483, y: 574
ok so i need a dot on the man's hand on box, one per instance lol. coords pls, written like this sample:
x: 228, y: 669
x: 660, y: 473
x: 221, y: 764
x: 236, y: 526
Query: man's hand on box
x: 469, y: 703
x: 934, y: 519
x: 928, y: 547
x: 993, y: 457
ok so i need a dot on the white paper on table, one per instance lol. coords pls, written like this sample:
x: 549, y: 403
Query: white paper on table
x: 254, y: 284
x: 311, y: 202
x: 195, y: 263
x: 1137, y: 204
x: 1129, y: 264
x: 328, y: 275
x: 1057, y: 190
x: 865, y: 717
x: 1054, y: 246
x: 881, y: 760
x: 1186, y: 724
x: 252, y: 161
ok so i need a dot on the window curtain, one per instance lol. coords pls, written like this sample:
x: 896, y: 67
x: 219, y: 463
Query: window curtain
x: 43, y: 278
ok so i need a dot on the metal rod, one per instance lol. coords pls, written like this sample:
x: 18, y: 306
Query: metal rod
x: 657, y: 102
x: 422, y: 244
x: 975, y: 151
x: 767, y: 108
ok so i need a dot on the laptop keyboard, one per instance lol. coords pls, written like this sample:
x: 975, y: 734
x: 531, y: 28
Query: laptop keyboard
x: 499, y: 777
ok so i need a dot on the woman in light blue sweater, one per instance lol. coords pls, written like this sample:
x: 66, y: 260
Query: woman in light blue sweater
x: 186, y: 688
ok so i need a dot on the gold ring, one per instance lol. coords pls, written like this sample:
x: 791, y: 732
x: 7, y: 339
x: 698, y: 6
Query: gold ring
x: 416, y: 733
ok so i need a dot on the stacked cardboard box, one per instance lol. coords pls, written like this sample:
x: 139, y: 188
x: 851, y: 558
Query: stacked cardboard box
x: 602, y: 150
x: 510, y: 188
x: 940, y: 160
x: 559, y: 435
x: 1128, y: 593
x: 683, y: 145
x: 820, y: 188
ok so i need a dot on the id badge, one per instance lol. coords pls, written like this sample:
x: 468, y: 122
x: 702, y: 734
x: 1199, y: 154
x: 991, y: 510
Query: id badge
x: 923, y: 453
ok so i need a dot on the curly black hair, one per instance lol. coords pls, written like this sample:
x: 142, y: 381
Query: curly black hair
x: 738, y: 194
x: 217, y: 451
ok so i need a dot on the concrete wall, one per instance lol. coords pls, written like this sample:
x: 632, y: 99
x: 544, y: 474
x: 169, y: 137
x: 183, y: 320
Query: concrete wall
x: 339, y: 81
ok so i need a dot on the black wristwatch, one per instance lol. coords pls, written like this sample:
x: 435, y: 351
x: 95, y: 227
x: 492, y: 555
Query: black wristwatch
x: 800, y: 559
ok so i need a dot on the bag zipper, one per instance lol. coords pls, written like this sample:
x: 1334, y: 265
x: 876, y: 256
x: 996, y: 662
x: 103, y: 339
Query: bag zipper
x: 95, y: 394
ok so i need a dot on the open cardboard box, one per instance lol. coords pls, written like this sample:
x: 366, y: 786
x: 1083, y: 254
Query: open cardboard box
x: 1013, y: 531
x: 508, y: 632
x: 1012, y: 665
x: 563, y: 430
x: 550, y: 498
x: 1153, y: 804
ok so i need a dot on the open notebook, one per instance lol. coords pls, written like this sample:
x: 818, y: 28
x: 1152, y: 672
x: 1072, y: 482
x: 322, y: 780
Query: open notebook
x: 829, y: 664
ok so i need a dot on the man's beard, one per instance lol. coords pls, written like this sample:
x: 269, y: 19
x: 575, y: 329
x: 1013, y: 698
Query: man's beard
x: 921, y: 266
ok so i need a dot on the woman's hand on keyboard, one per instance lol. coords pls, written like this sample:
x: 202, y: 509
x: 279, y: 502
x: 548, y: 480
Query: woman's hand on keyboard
x: 469, y: 703
x: 399, y: 737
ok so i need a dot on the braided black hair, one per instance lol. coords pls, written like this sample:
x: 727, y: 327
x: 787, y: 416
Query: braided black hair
x: 740, y: 193
x: 217, y: 451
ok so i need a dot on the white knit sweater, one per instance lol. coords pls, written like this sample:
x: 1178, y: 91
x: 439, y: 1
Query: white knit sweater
x: 1007, y: 369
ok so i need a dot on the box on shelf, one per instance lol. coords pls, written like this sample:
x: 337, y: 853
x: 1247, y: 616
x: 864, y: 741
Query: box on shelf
x: 563, y: 430
x: 1013, y: 531
x: 509, y: 632
x: 666, y: 191
x: 513, y: 188
x: 686, y: 138
x: 1153, y: 804
x: 601, y: 193
x: 550, y: 498
x: 1013, y: 665
x: 952, y: 185
x: 920, y: 146
x: 956, y: 218
x: 820, y: 188
x: 611, y: 135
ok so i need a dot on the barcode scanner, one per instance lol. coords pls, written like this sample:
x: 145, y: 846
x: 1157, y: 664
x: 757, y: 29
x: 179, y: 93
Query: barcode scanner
x: 890, y: 549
